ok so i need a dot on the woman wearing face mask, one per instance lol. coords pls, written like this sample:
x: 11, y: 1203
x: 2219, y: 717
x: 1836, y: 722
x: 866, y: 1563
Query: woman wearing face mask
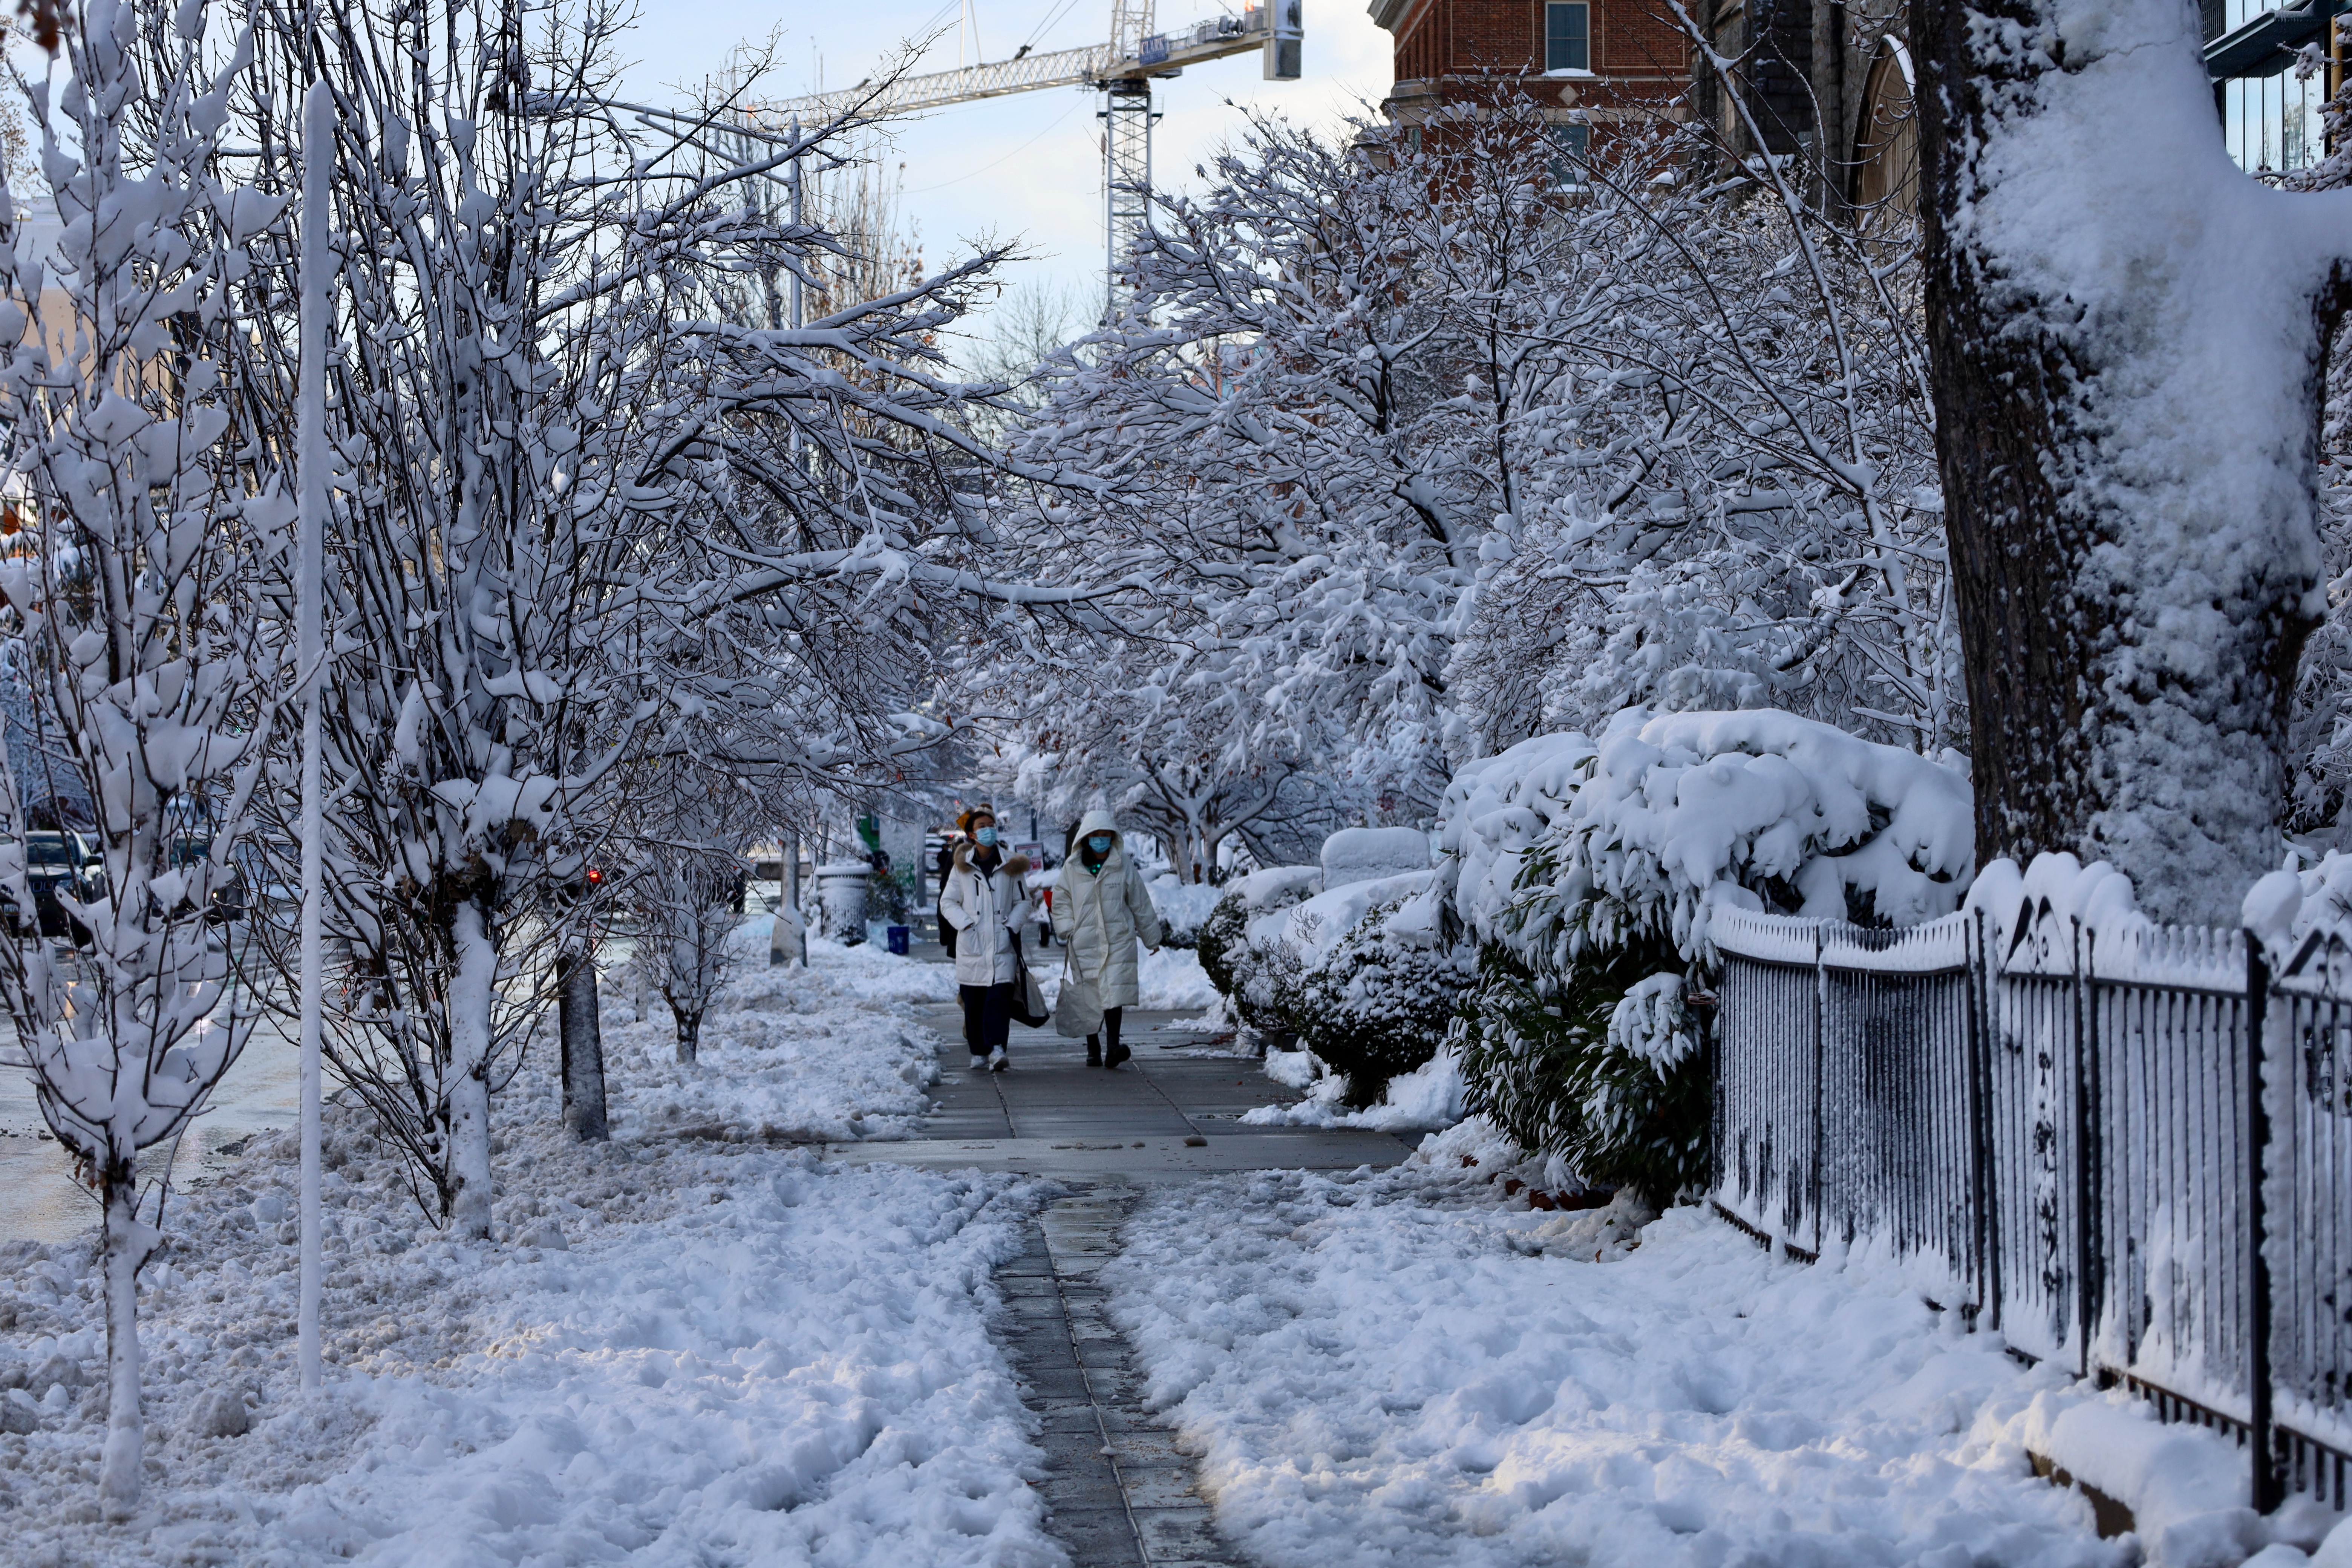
x: 985, y: 903
x: 1100, y: 909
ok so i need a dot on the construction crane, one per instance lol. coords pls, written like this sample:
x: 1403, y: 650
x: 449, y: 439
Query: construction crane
x: 1121, y: 69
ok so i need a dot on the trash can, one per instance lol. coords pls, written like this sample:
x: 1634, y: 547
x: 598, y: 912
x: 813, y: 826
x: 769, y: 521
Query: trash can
x: 896, y: 937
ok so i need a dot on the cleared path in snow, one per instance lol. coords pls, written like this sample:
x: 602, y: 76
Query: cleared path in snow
x: 1121, y: 1494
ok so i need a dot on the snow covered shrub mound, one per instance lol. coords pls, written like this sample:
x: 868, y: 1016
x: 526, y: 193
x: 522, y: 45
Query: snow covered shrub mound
x: 1371, y: 854
x: 1183, y: 908
x: 1232, y: 943
x: 1588, y: 870
x: 1379, y: 1002
x: 1764, y: 808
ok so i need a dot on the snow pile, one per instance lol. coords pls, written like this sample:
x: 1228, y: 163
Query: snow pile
x: 2284, y: 908
x: 1182, y: 906
x: 786, y: 1053
x: 2059, y: 892
x: 1427, y: 1098
x: 1173, y: 978
x: 2185, y: 1485
x: 1387, y: 1368
x: 669, y: 1350
x: 1373, y: 854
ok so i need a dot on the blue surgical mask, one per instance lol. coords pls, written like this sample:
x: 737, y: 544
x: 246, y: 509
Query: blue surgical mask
x: 987, y: 837
x: 1099, y: 843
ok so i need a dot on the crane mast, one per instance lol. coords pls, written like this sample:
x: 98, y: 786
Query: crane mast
x: 1120, y: 68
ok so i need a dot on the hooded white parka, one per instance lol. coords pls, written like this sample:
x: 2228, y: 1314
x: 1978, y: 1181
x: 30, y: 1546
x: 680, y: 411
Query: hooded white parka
x: 1098, y: 915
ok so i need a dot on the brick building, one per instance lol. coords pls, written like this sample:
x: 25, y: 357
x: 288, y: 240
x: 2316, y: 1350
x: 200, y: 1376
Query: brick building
x: 1588, y: 62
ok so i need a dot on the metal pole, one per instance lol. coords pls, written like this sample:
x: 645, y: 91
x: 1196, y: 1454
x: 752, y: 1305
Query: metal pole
x: 318, y: 134
x: 1981, y: 1186
x: 2269, y: 1489
x: 796, y: 217
x: 793, y: 896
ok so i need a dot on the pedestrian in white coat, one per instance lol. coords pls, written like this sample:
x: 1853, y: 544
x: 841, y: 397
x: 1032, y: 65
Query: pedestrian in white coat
x: 1101, y: 909
x: 985, y: 903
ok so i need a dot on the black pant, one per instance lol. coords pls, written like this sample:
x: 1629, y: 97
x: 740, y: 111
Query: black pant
x: 987, y: 1016
x: 1109, y: 1030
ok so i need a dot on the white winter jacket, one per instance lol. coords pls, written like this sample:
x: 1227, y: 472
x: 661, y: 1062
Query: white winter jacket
x: 985, y: 908
x: 1098, y: 915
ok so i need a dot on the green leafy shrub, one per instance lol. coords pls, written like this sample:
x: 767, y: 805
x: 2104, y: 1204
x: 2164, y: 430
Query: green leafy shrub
x: 1379, y: 1004
x: 1598, y: 1063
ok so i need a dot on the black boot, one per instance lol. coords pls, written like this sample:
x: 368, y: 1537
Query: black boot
x: 1094, y: 1050
x: 1116, y: 1054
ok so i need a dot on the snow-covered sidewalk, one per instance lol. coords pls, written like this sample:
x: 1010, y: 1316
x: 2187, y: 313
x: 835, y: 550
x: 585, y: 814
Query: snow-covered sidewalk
x: 1402, y: 1370
x: 676, y: 1349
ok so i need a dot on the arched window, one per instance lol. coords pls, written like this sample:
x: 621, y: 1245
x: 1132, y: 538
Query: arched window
x: 1886, y: 136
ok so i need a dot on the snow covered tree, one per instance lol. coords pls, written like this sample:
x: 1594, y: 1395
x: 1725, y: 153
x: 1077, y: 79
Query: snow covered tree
x: 685, y: 877
x: 134, y: 584
x: 1338, y: 372
x: 2128, y: 334
x: 569, y: 458
x: 1450, y: 443
x: 1747, y: 514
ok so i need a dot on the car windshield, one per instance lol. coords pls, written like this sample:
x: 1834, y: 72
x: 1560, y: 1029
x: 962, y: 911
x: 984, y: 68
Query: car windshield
x: 188, y: 851
x: 49, y: 849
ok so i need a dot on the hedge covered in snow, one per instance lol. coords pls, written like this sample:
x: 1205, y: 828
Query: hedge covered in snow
x: 1553, y: 943
x: 1587, y: 870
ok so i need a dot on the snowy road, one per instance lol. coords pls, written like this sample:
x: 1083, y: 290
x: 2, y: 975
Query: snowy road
x: 40, y: 1201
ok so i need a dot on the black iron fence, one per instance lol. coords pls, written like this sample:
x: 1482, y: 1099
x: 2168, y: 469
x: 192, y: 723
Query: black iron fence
x: 2056, y: 1132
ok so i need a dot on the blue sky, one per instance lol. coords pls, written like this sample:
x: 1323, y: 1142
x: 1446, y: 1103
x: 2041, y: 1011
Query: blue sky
x: 1026, y: 167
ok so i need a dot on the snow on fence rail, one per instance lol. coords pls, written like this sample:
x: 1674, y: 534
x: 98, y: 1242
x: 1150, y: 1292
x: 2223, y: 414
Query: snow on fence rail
x: 2054, y: 1131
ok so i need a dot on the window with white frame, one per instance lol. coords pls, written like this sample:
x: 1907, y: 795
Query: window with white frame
x: 1567, y: 35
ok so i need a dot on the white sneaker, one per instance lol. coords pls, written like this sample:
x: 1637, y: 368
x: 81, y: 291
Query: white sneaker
x: 997, y: 1062
x: 980, y: 1064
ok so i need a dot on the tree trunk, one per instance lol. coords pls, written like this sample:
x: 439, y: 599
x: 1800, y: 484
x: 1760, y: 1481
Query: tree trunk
x: 689, y: 1036
x: 578, y: 1022
x: 2126, y: 336
x: 468, y: 1084
x: 127, y: 1246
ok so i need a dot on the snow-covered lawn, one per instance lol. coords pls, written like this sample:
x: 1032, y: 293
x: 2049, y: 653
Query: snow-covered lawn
x: 1391, y: 1371
x: 675, y: 1350
x: 824, y: 1053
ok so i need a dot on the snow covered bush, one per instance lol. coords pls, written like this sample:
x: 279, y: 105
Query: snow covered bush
x: 1236, y: 950
x: 1589, y: 881
x: 1184, y: 908
x: 1379, y: 1001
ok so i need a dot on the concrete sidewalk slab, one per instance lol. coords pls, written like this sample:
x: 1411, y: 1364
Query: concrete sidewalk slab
x: 1140, y: 1159
x: 1171, y: 1112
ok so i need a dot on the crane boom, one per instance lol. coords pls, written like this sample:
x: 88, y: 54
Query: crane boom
x: 1134, y: 58
x: 1122, y: 69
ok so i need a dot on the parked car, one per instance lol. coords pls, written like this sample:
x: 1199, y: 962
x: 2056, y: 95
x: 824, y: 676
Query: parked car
x: 55, y: 863
x: 228, y: 890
